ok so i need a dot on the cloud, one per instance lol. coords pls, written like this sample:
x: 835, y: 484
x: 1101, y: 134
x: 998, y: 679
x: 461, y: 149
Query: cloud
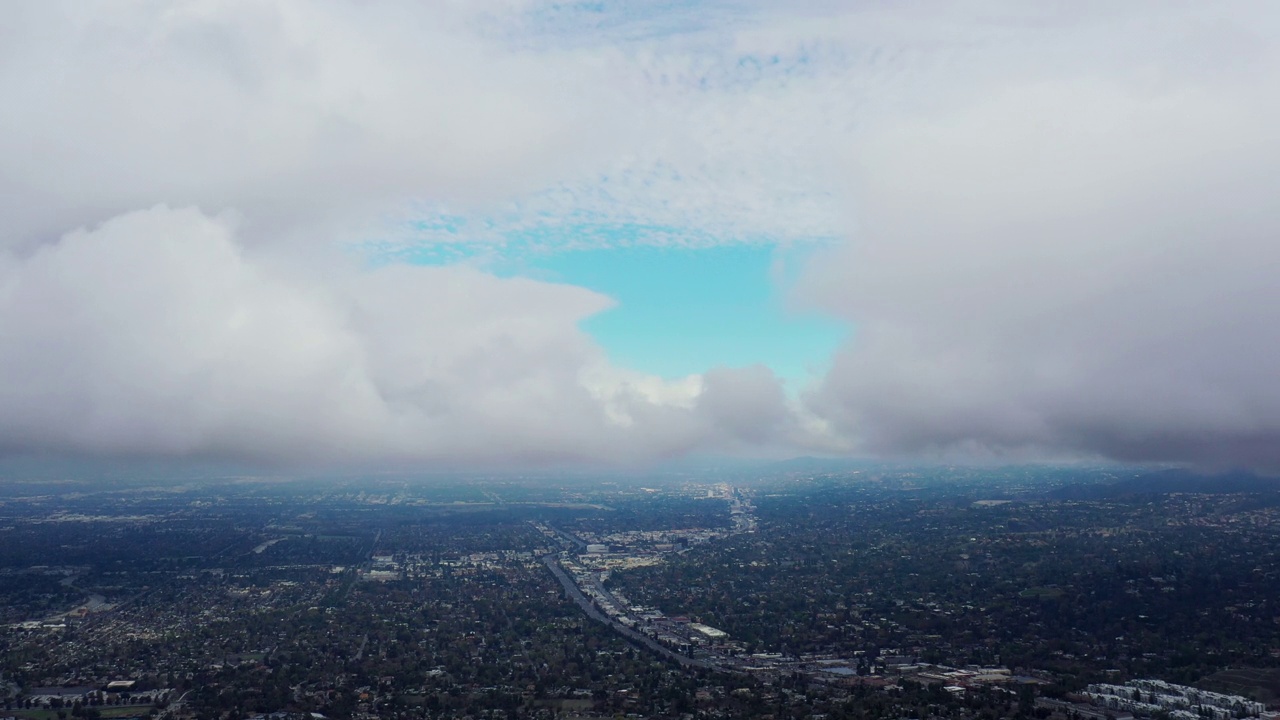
x: 1058, y: 225
x: 1075, y: 260
x: 729, y: 142
x: 303, y: 116
x: 743, y: 111
x: 158, y: 333
x: 404, y: 123
x: 220, y: 157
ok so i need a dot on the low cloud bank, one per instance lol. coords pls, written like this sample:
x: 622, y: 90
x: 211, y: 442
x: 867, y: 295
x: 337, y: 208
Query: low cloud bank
x: 157, y: 334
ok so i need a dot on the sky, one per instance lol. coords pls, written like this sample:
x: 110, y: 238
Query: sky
x: 680, y: 311
x: 526, y: 233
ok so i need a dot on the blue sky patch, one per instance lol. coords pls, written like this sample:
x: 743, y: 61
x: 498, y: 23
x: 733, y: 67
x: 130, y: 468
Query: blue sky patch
x: 681, y: 309
x: 684, y: 310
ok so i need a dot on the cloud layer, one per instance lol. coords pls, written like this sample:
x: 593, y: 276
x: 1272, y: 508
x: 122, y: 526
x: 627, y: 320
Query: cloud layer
x: 304, y: 117
x: 213, y: 156
x: 1057, y: 227
x: 158, y: 333
x: 1076, y: 262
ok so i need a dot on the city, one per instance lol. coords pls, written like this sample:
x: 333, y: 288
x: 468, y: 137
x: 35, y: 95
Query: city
x: 872, y: 593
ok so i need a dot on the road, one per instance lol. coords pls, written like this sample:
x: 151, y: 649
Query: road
x: 571, y: 589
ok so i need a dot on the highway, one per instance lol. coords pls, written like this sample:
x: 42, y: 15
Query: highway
x: 572, y: 590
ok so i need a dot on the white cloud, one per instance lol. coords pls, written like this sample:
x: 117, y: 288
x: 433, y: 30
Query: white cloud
x: 1072, y: 261
x: 297, y: 114
x: 1059, y: 224
x: 158, y: 333
x: 240, y: 330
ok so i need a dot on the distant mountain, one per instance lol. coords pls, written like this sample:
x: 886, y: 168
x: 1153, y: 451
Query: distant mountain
x: 1170, y: 481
